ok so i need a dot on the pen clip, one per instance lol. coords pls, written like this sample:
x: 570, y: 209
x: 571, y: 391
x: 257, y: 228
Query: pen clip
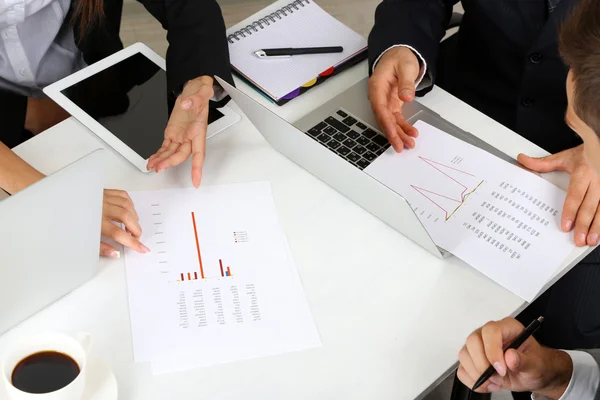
x: 263, y: 55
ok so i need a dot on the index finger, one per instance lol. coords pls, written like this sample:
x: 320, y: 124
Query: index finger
x: 198, y: 155
x: 496, y: 335
x: 385, y: 118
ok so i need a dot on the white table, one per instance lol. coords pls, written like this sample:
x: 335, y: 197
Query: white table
x: 392, y: 317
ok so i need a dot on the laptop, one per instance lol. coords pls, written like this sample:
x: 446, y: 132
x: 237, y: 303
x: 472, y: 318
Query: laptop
x: 50, y: 238
x: 340, y: 139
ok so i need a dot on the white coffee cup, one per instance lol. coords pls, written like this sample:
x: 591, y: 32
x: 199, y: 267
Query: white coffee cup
x: 75, y: 347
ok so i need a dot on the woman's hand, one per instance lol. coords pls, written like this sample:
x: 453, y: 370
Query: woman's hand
x: 185, y: 134
x: 118, y: 207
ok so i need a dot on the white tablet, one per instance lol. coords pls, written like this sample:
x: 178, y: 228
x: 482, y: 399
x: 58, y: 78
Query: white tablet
x: 123, y: 100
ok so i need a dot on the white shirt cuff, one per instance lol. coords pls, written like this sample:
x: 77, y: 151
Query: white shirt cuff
x: 424, y: 80
x: 585, y: 379
x: 220, y: 93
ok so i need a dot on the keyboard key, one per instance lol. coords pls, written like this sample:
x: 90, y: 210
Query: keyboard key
x: 373, y: 147
x: 333, y: 144
x: 342, y: 114
x: 343, y: 150
x: 349, y: 121
x: 329, y: 130
x: 337, y: 124
x: 363, y: 141
x: 361, y: 125
x: 380, y: 140
x: 314, y: 132
x: 324, y: 138
x: 340, y: 137
x: 369, y: 156
x: 353, y: 134
x: 382, y: 150
x: 362, y: 163
x: 359, y: 149
x: 321, y: 125
x: 353, y: 157
x: 349, y: 143
x: 370, y: 133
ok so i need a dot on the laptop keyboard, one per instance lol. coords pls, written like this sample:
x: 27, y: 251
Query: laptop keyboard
x: 349, y: 138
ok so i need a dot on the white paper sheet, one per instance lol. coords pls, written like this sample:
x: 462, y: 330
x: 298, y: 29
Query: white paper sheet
x: 499, y: 218
x: 184, y: 305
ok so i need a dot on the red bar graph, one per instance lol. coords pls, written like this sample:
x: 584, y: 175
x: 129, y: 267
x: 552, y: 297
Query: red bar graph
x: 197, y: 245
x: 224, y: 273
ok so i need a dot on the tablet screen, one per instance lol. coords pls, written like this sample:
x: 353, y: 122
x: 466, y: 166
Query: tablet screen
x: 130, y: 100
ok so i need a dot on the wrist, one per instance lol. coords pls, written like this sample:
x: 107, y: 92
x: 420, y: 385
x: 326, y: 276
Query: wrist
x: 560, y: 371
x: 403, y: 55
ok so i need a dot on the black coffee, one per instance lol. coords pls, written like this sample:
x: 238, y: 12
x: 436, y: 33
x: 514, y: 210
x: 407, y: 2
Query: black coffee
x: 44, y: 372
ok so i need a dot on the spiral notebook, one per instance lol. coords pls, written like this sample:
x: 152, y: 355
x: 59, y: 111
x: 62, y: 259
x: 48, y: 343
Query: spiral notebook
x: 300, y: 23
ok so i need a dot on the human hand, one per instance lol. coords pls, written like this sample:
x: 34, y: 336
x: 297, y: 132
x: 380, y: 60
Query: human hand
x: 391, y: 85
x: 583, y: 195
x: 185, y: 134
x: 118, y: 207
x: 531, y: 368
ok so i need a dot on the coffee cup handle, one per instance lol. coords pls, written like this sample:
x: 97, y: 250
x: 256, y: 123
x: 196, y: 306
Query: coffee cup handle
x: 85, y: 339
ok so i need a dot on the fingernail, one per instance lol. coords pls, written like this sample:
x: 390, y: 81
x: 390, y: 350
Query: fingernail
x: 186, y: 104
x: 112, y: 254
x: 145, y: 249
x: 406, y: 93
x: 594, y: 239
x: 581, y: 238
x: 499, y: 368
x: 568, y: 224
x: 493, y: 388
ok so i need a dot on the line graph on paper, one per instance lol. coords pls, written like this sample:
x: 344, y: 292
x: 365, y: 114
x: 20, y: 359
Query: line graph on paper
x: 445, y: 186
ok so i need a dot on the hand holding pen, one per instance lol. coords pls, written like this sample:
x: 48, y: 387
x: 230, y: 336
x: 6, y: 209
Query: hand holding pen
x: 504, y: 355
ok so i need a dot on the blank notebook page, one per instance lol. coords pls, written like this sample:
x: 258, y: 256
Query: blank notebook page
x: 308, y: 26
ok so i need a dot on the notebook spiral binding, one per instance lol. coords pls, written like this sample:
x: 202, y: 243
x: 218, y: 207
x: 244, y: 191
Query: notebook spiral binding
x: 267, y: 20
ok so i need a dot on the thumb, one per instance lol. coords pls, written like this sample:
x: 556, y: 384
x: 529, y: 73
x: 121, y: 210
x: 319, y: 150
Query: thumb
x: 406, y: 88
x: 543, y: 164
x: 187, y: 103
x: 519, y: 362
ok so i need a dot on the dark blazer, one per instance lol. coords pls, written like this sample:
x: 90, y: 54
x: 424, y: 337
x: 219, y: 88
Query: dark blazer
x: 197, y: 47
x: 503, y: 61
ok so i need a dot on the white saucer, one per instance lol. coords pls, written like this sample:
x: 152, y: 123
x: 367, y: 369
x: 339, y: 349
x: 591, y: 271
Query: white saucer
x: 101, y: 382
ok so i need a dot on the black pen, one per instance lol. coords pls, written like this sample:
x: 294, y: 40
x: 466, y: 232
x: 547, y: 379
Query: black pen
x: 289, y: 51
x: 526, y: 334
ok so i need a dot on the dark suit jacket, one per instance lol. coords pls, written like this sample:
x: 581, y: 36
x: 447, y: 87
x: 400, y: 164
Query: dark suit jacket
x: 503, y: 61
x: 197, y: 47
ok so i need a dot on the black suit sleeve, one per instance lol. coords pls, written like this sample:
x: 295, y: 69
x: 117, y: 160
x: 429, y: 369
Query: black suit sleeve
x: 420, y: 24
x: 197, y: 39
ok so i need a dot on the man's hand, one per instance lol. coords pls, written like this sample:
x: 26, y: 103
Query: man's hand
x: 583, y: 196
x: 391, y: 85
x: 185, y: 134
x: 118, y: 207
x: 530, y: 368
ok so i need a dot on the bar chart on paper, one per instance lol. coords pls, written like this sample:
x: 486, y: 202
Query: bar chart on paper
x: 206, y: 285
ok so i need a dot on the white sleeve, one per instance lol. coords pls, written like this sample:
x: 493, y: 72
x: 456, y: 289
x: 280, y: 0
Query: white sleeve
x: 220, y: 93
x: 424, y: 80
x: 585, y: 379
